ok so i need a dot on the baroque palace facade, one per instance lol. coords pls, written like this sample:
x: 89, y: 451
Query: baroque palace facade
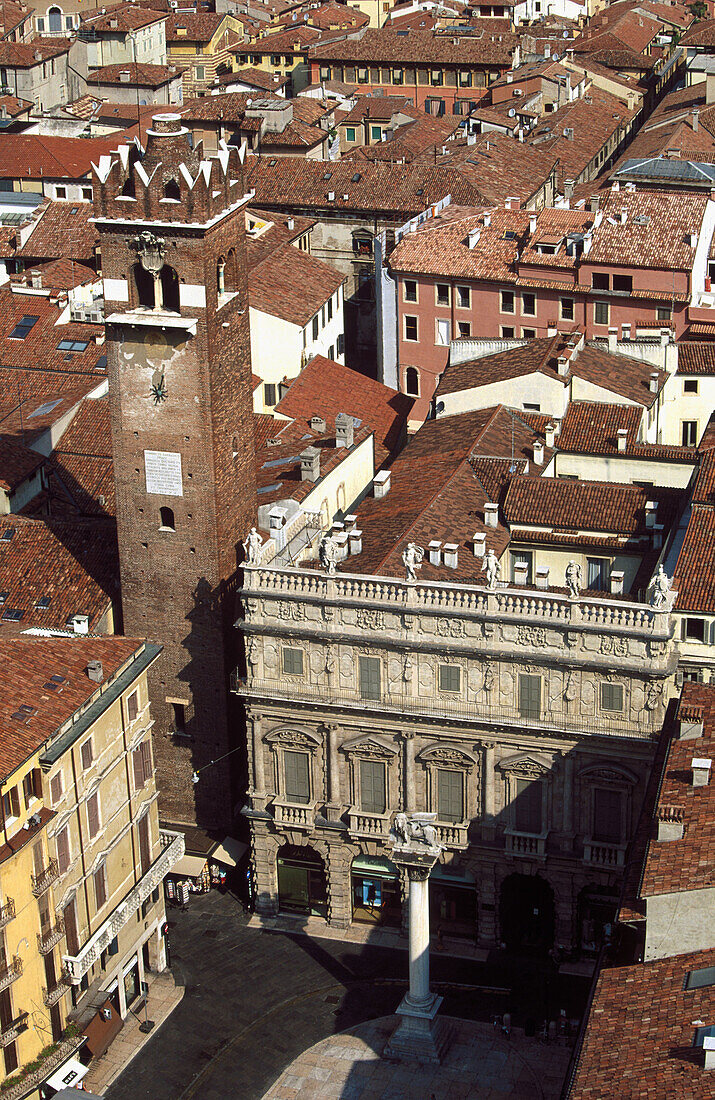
x: 526, y: 720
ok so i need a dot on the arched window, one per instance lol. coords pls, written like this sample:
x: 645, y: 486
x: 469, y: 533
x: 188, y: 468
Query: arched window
x: 221, y: 275
x: 234, y: 446
x: 341, y: 497
x: 167, y: 521
x: 55, y: 20
x: 172, y: 190
x: 231, y: 272
x: 412, y: 382
x: 170, y: 288
x: 144, y: 283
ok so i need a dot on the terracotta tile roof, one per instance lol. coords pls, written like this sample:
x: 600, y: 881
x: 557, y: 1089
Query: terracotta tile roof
x: 14, y: 106
x: 701, y: 33
x: 329, y: 16
x: 694, y: 573
x: 296, y: 40
x: 387, y: 46
x: 586, y: 505
x: 197, y: 26
x: 662, y: 242
x: 63, y: 230
x: 81, y: 471
x: 296, y: 135
x: 279, y: 234
x: 57, y: 275
x: 121, y: 17
x: 38, y: 156
x: 440, y: 246
x: 142, y: 76
x: 292, y: 285
x: 17, y: 462
x: 312, y: 111
x: 696, y: 358
x: 593, y: 119
x: 257, y: 78
x: 264, y: 424
x: 380, y: 108
x: 629, y: 378
x: 704, y: 491
x: 412, y: 141
x: 73, y: 564
x: 226, y: 107
x: 499, y: 167
x: 39, y: 354
x: 28, y: 664
x: 689, y: 863
x: 402, y: 189
x: 24, y: 55
x: 639, y: 1039
x: 324, y: 388
x: 590, y: 427
x: 463, y: 462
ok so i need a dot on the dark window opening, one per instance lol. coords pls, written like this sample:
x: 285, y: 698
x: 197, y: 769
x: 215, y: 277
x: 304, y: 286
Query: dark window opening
x: 23, y: 327
x: 144, y: 283
x: 128, y: 188
x: 170, y: 288
x: 600, y: 281
x: 172, y: 190
x: 179, y: 717
x: 412, y: 382
x: 167, y: 521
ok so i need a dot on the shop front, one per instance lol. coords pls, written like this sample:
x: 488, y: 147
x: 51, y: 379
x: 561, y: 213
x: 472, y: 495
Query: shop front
x: 375, y: 891
x: 597, y: 907
x: 301, y: 881
x: 453, y: 901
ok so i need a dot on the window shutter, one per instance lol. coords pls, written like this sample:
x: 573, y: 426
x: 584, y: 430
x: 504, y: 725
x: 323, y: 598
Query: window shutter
x: 138, y: 762
x: 528, y: 804
x: 87, y: 755
x: 93, y: 815
x: 450, y: 795
x: 370, y: 677
x: 15, y: 802
x: 100, y: 887
x: 372, y: 786
x: 297, y: 781
x: 529, y: 696
x: 146, y: 760
x: 63, y: 850
x: 132, y: 706
x: 607, y: 815
x: 56, y: 788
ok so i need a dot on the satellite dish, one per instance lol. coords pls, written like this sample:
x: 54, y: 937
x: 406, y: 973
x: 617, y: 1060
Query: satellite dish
x: 512, y: 112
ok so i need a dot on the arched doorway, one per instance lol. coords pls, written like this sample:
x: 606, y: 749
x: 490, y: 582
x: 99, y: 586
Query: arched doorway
x: 301, y: 881
x: 526, y: 913
x: 453, y: 901
x: 597, y: 907
x: 55, y: 20
x: 375, y: 886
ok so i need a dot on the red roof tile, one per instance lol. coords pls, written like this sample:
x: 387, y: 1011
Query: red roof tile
x: 586, y: 505
x: 292, y: 285
x: 39, y: 156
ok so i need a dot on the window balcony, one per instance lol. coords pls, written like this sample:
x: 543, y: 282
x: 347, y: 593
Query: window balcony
x: 15, y: 1028
x: 49, y: 939
x: 531, y: 845
x: 7, y: 912
x: 599, y: 853
x: 363, y: 824
x: 54, y: 994
x: 172, y: 849
x: 10, y: 972
x: 295, y: 815
x: 46, y: 878
x: 453, y: 835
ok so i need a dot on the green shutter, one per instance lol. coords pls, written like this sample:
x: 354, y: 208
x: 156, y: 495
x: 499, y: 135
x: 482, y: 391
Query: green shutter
x: 297, y: 781
x: 450, y: 795
x: 529, y: 696
x: 372, y: 786
x: 370, y: 677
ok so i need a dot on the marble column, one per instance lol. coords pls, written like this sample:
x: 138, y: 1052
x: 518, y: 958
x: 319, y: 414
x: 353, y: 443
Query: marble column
x: 419, y: 995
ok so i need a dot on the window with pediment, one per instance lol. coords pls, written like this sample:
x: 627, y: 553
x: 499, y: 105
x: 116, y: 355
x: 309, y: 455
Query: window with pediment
x: 526, y: 793
x: 372, y: 761
x: 294, y: 764
x: 452, y: 783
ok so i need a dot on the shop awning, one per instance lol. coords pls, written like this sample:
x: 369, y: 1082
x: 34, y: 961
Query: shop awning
x: 230, y: 851
x: 68, y: 1075
x: 189, y: 866
x: 375, y: 866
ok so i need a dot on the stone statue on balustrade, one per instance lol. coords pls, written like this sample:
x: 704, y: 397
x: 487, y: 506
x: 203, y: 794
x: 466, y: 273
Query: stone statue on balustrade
x: 491, y: 566
x: 415, y: 833
x: 252, y: 547
x: 574, y: 579
x: 659, y: 589
x: 329, y: 554
x: 412, y: 558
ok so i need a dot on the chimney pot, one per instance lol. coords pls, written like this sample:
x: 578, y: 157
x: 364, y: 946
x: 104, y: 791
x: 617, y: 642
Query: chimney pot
x: 478, y: 543
x: 521, y: 573
x: 310, y: 464
x: 491, y: 514
x: 538, y: 453
x: 355, y: 541
x: 651, y: 512
x: 95, y: 671
x: 563, y: 365
x: 317, y: 424
x: 434, y: 551
x: 532, y: 223
x: 622, y: 437
x: 653, y: 384
x: 616, y: 579
x: 550, y: 433
x: 344, y: 430
x: 451, y: 552
x: 473, y: 237
x: 542, y: 576
x: 381, y: 484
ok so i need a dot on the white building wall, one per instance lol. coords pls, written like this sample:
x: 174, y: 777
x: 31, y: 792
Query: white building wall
x: 531, y: 389
x: 680, y: 922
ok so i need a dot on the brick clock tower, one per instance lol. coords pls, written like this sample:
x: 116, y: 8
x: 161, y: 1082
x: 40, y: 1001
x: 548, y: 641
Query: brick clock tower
x: 172, y: 234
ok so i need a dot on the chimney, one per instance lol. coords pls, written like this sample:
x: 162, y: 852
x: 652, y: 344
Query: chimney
x: 291, y: 223
x: 595, y: 204
x: 434, y: 551
x: 317, y: 424
x: 550, y: 432
x: 487, y: 219
x: 691, y: 723
x: 538, y: 452
x: 624, y: 215
x: 568, y: 185
x: 473, y: 237
x: 381, y: 484
x: 612, y: 340
x: 310, y: 464
x: 521, y: 572
x: 670, y: 823
x: 563, y: 365
x: 124, y: 76
x: 696, y: 120
x: 80, y: 624
x: 36, y: 280
x: 701, y: 770
x: 651, y: 512
x: 542, y: 576
x: 653, y: 384
x: 355, y: 541
x: 276, y: 519
x: 350, y: 522
x: 451, y: 551
x: 341, y: 541
x: 709, y: 89
x: 478, y: 541
x: 513, y: 202
x: 616, y: 580
x: 532, y: 223
x: 622, y: 437
x: 491, y: 514
x: 95, y: 671
x: 344, y: 430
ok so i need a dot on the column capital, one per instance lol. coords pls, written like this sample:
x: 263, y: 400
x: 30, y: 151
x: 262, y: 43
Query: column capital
x: 407, y: 735
x: 486, y: 744
x: 418, y: 874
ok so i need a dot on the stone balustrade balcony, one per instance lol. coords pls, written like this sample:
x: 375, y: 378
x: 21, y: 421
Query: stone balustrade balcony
x: 453, y: 835
x: 362, y: 824
x: 172, y: 849
x: 295, y: 815
x: 10, y: 972
x: 531, y: 845
x: 601, y: 854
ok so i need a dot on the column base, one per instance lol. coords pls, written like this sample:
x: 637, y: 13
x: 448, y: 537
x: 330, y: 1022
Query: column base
x: 421, y: 1036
